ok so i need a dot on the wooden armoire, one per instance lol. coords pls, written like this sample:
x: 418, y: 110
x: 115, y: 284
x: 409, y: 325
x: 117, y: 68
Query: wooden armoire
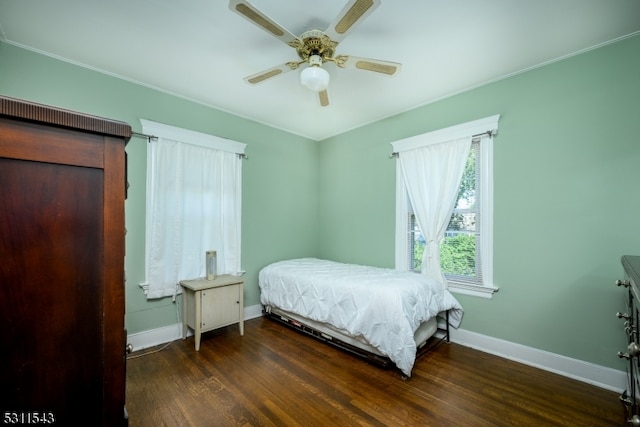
x: 62, y: 242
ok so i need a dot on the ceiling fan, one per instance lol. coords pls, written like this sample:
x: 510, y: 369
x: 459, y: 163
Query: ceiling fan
x: 315, y: 47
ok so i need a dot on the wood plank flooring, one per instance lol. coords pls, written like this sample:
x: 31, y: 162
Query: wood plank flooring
x: 274, y: 376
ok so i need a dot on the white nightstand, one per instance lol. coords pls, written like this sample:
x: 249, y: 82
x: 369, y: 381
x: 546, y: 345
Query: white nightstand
x: 212, y: 304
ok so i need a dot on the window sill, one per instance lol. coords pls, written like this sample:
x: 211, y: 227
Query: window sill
x: 473, y: 290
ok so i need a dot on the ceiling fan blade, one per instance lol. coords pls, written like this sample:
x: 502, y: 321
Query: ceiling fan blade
x: 353, y: 13
x: 324, y: 98
x: 271, y: 72
x: 250, y: 13
x: 368, y: 64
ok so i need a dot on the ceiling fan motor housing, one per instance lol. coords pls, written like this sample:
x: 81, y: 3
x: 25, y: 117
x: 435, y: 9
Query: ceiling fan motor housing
x: 316, y: 42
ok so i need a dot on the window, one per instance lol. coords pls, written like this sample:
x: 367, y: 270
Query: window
x: 193, y: 205
x: 466, y: 250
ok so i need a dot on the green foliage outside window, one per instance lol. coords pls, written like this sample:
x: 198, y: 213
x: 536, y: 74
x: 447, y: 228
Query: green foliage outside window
x: 418, y: 251
x: 458, y: 255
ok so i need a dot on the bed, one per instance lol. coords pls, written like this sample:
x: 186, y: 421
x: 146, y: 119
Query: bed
x: 382, y: 314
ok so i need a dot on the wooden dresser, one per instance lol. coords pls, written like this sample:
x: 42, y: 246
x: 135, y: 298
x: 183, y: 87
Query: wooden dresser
x: 631, y: 316
x: 62, y: 339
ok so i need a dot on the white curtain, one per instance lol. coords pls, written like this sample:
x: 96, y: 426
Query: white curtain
x: 193, y: 205
x: 432, y: 177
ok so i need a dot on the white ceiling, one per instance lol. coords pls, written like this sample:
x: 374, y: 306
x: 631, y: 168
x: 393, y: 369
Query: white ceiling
x: 201, y: 50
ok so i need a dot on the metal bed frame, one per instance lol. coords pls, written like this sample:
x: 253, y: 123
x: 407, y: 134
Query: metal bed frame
x: 441, y: 335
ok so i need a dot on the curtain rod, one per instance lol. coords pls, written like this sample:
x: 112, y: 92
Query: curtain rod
x: 155, y: 138
x: 490, y: 133
x: 144, y: 135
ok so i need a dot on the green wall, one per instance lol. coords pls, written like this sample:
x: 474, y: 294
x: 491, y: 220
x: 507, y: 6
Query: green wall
x: 567, y: 198
x: 567, y: 184
x: 280, y: 178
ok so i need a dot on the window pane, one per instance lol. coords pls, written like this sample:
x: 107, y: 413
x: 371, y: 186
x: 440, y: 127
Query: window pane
x: 458, y: 255
x: 459, y: 251
x: 416, y: 244
x: 468, y: 184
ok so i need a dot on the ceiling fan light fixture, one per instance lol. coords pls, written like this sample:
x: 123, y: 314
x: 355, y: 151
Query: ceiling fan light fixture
x: 314, y: 76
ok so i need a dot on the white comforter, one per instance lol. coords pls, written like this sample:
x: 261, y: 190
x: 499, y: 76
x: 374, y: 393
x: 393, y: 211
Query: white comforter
x: 383, y: 306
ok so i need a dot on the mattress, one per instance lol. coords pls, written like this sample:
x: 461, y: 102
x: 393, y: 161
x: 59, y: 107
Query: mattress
x: 380, y: 307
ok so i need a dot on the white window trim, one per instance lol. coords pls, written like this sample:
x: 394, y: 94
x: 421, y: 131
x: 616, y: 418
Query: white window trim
x: 475, y: 127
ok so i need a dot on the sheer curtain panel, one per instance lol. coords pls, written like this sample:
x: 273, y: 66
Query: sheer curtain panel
x: 194, y: 184
x: 432, y: 177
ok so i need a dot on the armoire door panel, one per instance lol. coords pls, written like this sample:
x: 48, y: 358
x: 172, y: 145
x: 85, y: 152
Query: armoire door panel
x: 52, y: 213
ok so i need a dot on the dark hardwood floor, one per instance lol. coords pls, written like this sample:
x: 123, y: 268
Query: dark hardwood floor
x: 274, y: 376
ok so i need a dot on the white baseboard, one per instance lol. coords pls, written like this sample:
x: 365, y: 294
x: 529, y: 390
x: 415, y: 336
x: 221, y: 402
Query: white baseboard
x: 252, y: 311
x: 600, y: 376
x: 153, y: 337
x: 165, y: 334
